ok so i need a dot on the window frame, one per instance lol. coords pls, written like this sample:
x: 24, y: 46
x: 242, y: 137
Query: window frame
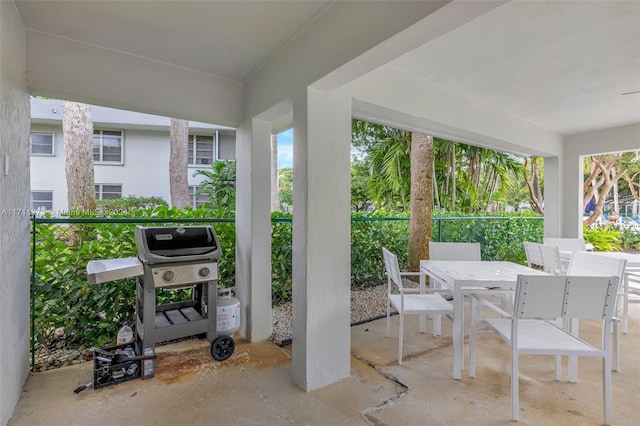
x: 192, y: 146
x: 193, y: 198
x: 99, y: 193
x: 101, y: 147
x: 217, y: 148
x: 38, y: 154
x: 42, y: 191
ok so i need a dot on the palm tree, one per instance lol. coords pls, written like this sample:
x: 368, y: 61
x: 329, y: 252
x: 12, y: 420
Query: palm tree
x: 445, y: 162
x: 387, y: 155
x: 219, y: 186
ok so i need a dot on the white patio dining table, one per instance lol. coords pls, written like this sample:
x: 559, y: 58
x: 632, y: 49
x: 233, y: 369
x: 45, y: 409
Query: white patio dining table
x: 471, y: 277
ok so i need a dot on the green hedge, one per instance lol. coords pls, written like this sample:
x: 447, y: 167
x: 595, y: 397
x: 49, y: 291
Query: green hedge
x: 66, y: 311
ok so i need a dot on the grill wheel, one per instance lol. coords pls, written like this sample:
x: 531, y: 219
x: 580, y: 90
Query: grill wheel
x: 222, y: 348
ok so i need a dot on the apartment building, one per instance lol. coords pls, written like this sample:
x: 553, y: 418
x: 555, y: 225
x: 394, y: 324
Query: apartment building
x: 130, y: 153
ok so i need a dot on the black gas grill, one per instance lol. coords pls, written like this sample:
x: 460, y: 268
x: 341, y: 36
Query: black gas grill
x: 174, y: 258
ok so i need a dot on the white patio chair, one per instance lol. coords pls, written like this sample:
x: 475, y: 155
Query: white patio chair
x: 551, y: 260
x: 629, y: 293
x: 567, y: 244
x: 553, y: 296
x: 454, y: 251
x: 411, y: 301
x: 534, y: 254
x: 548, y: 259
x: 591, y: 264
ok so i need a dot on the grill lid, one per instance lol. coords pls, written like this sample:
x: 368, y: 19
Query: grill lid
x: 162, y: 244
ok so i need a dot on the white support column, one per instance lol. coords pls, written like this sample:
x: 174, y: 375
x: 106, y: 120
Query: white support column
x: 253, y: 228
x: 321, y: 238
x: 553, y: 206
x: 571, y: 176
x: 14, y: 211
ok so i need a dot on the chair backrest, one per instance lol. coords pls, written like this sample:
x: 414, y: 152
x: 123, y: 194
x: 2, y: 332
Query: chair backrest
x: 551, y: 261
x: 554, y: 296
x: 634, y: 281
x: 533, y: 253
x: 568, y: 244
x: 454, y: 251
x: 393, y: 269
x: 583, y: 263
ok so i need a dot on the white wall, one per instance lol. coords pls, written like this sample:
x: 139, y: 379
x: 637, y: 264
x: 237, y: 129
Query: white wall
x: 47, y: 172
x: 144, y: 173
x: 14, y: 206
x: 65, y: 69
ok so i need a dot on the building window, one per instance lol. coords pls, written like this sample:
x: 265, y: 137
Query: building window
x: 196, y: 200
x: 108, y: 191
x: 200, y: 150
x: 41, y: 200
x: 107, y: 146
x: 226, y: 145
x: 41, y: 143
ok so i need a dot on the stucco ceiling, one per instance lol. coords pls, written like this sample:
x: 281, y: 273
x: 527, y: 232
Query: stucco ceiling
x: 229, y: 39
x: 561, y: 65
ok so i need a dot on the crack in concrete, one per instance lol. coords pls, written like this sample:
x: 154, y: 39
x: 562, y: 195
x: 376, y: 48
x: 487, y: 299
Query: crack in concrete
x: 368, y: 413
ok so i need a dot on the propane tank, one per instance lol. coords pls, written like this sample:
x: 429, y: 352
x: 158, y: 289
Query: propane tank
x: 228, y: 320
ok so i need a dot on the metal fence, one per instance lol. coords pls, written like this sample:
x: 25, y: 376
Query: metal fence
x: 69, y: 316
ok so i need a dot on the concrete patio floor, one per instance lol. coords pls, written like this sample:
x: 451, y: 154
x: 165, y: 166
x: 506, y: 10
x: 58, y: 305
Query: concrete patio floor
x: 253, y: 387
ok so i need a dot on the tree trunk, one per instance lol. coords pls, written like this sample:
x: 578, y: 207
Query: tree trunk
x: 475, y: 164
x: 604, y: 167
x: 533, y: 183
x: 77, y: 130
x: 275, y: 199
x: 633, y: 186
x: 616, y: 201
x: 179, y: 163
x: 454, y: 189
x: 421, y: 199
x: 436, y: 195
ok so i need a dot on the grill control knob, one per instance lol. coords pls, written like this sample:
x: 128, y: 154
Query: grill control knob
x: 168, y: 276
x: 204, y: 272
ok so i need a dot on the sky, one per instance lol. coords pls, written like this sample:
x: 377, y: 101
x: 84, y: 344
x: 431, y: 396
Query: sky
x: 285, y: 149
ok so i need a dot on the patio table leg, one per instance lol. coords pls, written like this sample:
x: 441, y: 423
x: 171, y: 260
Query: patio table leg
x: 625, y: 305
x: 458, y: 335
x: 573, y: 360
x: 422, y: 321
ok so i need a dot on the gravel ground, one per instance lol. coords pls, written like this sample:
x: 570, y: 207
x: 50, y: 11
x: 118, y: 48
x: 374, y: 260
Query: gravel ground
x: 366, y: 303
